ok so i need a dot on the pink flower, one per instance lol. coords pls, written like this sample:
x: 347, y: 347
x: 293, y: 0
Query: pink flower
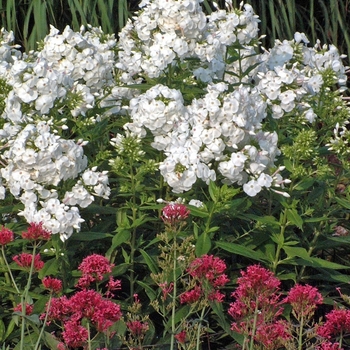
x: 89, y: 304
x: 36, y: 232
x: 52, y: 284
x: 29, y: 308
x: 6, y: 236
x: 337, y: 322
x: 191, y: 296
x: 93, y: 267
x: 272, y: 335
x: 25, y: 260
x: 137, y: 328
x: 166, y: 289
x: 257, y: 290
x: 216, y: 296
x: 181, y: 337
x: 304, y: 300
x: 328, y: 346
x: 174, y: 213
x: 60, y: 309
x: 209, y: 268
x: 74, y: 334
x: 112, y: 286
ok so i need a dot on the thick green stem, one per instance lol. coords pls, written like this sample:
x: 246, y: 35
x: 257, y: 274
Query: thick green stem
x: 310, y: 250
x: 8, y: 274
x: 37, y: 345
x: 133, y: 233
x: 301, y: 331
x: 280, y: 244
x: 173, y: 311
x: 24, y: 297
x: 256, y: 313
x: 199, y: 329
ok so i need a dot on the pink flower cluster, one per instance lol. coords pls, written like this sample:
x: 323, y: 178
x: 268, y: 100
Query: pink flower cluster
x: 73, y: 312
x: 24, y: 260
x: 173, y: 213
x: 208, y: 274
x: 6, y: 236
x: 95, y: 268
x: 258, y: 307
x: 36, y: 232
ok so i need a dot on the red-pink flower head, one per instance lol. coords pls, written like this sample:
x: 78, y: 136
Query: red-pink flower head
x: 54, y: 285
x: 191, y: 296
x: 137, y: 328
x: 181, y: 337
x: 174, y: 213
x: 25, y: 260
x: 112, y: 286
x: 327, y: 345
x: 29, y: 308
x: 93, y: 267
x: 209, y: 268
x: 256, y: 281
x: 273, y: 335
x: 36, y: 232
x: 304, y: 300
x: 257, y: 288
x: 6, y: 236
x: 337, y: 322
x: 75, y: 335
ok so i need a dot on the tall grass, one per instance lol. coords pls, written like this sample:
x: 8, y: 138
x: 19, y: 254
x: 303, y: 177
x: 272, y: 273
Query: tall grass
x: 326, y: 20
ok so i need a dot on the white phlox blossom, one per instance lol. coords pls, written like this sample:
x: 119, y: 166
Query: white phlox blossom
x: 291, y: 71
x: 36, y: 160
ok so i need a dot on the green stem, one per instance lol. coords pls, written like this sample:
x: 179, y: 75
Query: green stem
x: 256, y: 312
x: 300, y: 340
x: 133, y: 233
x: 310, y: 250
x: 199, y: 329
x: 44, y: 323
x: 281, y: 241
x: 8, y: 274
x: 172, y: 339
x: 24, y: 297
x: 89, y: 338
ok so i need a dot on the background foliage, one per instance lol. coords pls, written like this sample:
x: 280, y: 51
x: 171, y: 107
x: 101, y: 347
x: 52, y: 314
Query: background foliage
x: 319, y: 19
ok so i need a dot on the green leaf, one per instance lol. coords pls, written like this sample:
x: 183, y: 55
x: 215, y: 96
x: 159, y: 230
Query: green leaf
x: 203, y: 244
x: 2, y: 330
x: 296, y: 251
x: 10, y: 328
x: 317, y: 262
x: 198, y: 212
x: 241, y: 250
x: 152, y: 295
x: 267, y: 219
x: 294, y: 218
x: 50, y: 268
x: 180, y: 314
x: 152, y: 265
x: 122, y: 236
x: 89, y: 236
x: 50, y: 340
x: 343, y: 202
x: 214, y: 191
x: 304, y: 184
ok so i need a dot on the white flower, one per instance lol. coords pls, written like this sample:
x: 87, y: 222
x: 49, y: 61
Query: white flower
x: 252, y: 188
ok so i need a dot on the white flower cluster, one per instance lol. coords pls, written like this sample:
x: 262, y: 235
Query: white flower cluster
x: 36, y: 159
x: 219, y: 135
